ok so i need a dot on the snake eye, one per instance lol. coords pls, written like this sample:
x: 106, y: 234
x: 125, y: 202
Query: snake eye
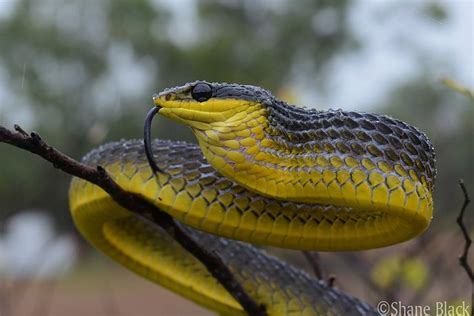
x: 201, y: 92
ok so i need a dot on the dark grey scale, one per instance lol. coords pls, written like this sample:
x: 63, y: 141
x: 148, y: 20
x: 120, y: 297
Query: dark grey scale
x: 290, y: 125
x: 391, y: 155
x: 423, y: 156
x: 380, y: 139
x: 342, y: 147
x: 382, y: 136
x: 367, y: 125
x: 245, y: 92
x: 321, y: 134
x: 234, y: 92
x: 206, y: 169
x: 191, y: 165
x: 237, y: 189
x: 350, y: 122
x: 414, y: 138
x: 383, y: 128
x: 337, y: 122
x: 207, y: 180
x: 333, y: 133
x: 347, y: 134
x: 357, y: 149
x: 406, y: 158
x: 395, y: 142
x: 410, y: 148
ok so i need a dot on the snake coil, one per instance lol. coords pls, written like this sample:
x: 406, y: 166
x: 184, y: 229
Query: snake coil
x: 267, y: 173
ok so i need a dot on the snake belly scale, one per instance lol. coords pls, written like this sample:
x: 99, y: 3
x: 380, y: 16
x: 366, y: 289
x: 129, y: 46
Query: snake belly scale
x: 265, y: 173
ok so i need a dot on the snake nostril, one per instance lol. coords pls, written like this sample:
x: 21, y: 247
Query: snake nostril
x: 169, y: 96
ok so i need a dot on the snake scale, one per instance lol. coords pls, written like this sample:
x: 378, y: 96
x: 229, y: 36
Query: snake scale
x: 266, y: 173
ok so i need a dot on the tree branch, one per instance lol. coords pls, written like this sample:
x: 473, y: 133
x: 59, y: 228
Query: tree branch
x: 314, y: 261
x: 468, y: 241
x: 136, y: 204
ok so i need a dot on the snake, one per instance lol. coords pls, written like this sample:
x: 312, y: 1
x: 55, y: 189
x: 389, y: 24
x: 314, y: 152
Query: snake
x: 264, y: 173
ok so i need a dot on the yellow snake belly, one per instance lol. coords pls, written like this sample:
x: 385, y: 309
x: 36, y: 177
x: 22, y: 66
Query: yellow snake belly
x: 150, y: 252
x: 193, y: 192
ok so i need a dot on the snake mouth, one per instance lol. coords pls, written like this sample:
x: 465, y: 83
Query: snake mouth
x: 147, y: 139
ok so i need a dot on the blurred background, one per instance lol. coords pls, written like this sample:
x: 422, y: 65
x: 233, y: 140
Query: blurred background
x: 82, y: 73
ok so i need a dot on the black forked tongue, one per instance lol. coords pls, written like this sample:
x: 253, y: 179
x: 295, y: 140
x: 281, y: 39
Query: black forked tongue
x: 147, y: 139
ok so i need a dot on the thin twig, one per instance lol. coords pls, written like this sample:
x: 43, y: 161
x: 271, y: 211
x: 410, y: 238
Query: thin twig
x: 468, y: 241
x: 314, y: 261
x: 136, y: 204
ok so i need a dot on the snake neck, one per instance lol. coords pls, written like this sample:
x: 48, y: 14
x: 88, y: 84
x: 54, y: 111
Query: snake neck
x: 332, y: 157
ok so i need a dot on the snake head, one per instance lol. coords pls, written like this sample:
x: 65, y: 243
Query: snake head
x: 203, y: 105
x: 208, y: 108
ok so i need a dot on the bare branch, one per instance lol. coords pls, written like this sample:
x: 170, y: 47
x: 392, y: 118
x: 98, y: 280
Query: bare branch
x: 468, y: 241
x: 314, y: 261
x: 136, y: 204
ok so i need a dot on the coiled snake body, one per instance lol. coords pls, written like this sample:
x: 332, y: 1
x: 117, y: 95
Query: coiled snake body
x: 271, y: 174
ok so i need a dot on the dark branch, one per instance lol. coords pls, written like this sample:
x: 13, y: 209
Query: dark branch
x: 468, y: 241
x: 314, y: 261
x: 136, y: 204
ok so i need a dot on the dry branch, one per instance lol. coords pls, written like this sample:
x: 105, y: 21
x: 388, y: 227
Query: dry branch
x: 134, y: 203
x: 314, y: 261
